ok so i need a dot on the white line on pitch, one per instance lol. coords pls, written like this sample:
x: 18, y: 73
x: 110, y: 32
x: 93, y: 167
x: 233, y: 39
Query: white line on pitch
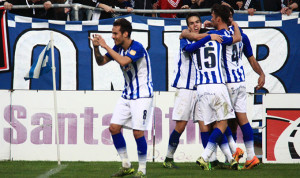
x: 53, y: 171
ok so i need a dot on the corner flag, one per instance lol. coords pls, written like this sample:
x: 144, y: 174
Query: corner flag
x: 41, y: 65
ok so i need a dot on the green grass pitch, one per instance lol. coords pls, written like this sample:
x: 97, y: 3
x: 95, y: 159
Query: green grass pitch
x: 24, y: 169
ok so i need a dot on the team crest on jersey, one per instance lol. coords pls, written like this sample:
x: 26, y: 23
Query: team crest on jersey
x: 132, y: 52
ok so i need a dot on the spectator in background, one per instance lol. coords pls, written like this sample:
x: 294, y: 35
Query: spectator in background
x: 189, y: 4
x: 168, y: 4
x: 200, y: 4
x: 249, y: 5
x: 289, y: 6
x: 192, y: 4
x: 143, y: 4
x: 284, y: 6
x: 108, y: 6
x: 272, y: 5
x: 83, y: 14
x: 235, y: 4
x: 208, y: 4
x: 36, y: 13
x: 57, y: 13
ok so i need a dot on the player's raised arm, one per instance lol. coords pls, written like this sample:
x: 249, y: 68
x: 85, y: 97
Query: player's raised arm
x: 100, y: 59
x: 237, y: 33
x: 192, y: 36
x: 195, y: 46
x: 122, y: 60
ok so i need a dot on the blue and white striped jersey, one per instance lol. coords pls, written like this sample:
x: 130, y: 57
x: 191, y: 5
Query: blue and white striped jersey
x: 184, y: 73
x: 207, y: 60
x: 137, y: 74
x: 232, y: 61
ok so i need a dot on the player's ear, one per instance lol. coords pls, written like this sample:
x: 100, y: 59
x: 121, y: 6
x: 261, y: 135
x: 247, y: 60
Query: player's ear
x: 125, y: 34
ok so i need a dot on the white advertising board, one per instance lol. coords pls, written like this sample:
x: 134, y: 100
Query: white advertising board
x: 28, y: 128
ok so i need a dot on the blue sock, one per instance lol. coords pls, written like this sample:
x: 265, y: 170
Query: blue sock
x: 223, y: 140
x: 216, y: 136
x: 173, y: 143
x: 174, y: 138
x: 120, y: 145
x: 141, y: 146
x: 142, y: 153
x: 247, y: 132
x: 204, y: 138
x: 119, y: 141
x: 228, y: 132
x: 248, y: 140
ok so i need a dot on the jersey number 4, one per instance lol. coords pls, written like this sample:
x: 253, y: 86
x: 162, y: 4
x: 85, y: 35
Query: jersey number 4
x: 235, y: 54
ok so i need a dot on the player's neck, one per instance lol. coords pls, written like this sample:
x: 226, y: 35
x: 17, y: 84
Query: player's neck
x: 222, y: 26
x: 126, y: 44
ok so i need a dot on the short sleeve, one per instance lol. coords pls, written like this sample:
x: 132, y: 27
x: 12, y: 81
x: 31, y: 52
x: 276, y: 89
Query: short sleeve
x: 247, y: 49
x: 227, y: 40
x: 183, y: 43
x: 136, y: 51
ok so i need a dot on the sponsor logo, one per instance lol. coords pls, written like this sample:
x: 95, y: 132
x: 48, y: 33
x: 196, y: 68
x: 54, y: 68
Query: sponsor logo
x: 282, y: 133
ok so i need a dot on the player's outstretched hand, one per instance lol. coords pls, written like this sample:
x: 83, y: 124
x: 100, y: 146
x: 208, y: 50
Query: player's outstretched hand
x: 184, y: 33
x: 207, y: 23
x: 261, y: 82
x: 97, y: 40
x: 216, y: 37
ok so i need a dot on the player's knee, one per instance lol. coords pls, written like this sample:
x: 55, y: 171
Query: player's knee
x: 113, y: 129
x: 180, y: 129
x: 180, y: 126
x: 138, y: 134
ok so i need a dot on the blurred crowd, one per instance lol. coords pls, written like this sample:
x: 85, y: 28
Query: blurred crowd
x: 108, y: 6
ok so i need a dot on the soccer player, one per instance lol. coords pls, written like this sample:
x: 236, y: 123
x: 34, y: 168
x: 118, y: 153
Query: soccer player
x: 235, y: 82
x: 215, y: 106
x: 134, y: 107
x: 185, y: 106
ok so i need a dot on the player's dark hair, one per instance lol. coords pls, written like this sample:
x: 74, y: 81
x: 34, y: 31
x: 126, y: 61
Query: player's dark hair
x: 191, y: 15
x: 125, y: 26
x: 221, y: 11
x: 231, y: 10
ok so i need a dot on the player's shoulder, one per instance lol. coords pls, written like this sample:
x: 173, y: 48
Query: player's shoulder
x: 244, y: 35
x: 137, y: 45
x: 185, y: 40
x: 219, y: 32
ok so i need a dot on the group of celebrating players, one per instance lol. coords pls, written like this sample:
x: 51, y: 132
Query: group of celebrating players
x: 211, y: 90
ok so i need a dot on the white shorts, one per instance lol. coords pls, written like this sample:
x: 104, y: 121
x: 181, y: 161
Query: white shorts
x: 134, y: 114
x: 214, y: 103
x: 185, y: 105
x: 238, y: 96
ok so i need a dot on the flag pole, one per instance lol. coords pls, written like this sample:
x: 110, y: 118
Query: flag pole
x: 55, y: 98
